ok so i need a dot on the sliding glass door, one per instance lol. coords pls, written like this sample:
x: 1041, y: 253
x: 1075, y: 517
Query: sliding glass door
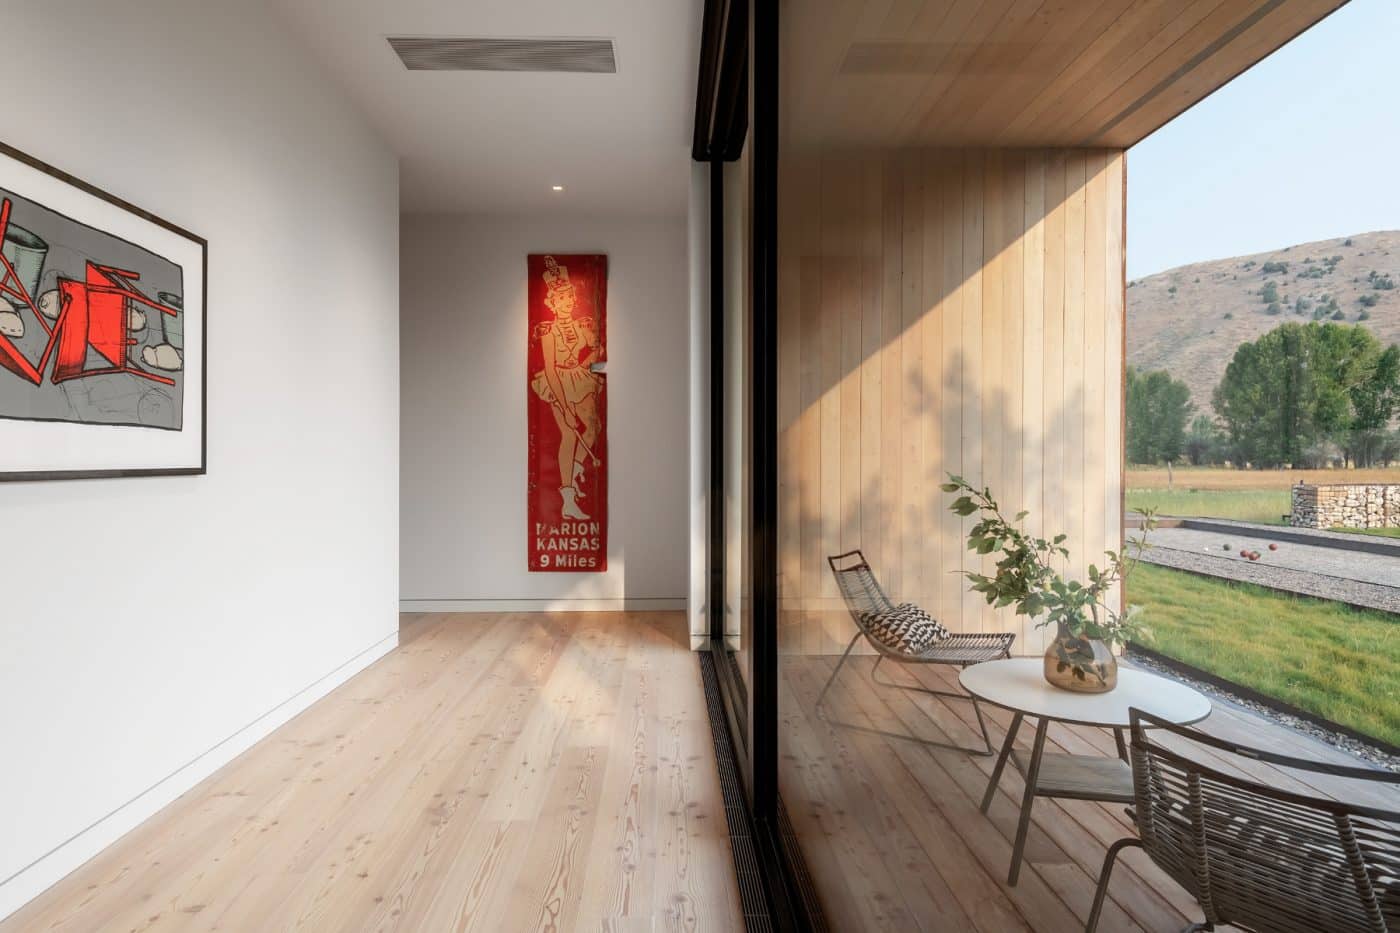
x: 737, y: 425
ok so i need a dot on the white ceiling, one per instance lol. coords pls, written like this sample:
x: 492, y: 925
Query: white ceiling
x: 495, y: 142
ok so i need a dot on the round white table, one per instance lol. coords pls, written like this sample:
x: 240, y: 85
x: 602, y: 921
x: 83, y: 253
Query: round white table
x: 1019, y: 685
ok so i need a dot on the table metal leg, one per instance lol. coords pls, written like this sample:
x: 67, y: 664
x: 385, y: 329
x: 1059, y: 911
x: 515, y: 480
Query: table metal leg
x: 1001, y: 762
x: 1122, y: 746
x: 1032, y: 776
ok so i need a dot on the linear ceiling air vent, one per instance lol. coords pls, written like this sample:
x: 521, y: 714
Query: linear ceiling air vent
x: 431, y: 53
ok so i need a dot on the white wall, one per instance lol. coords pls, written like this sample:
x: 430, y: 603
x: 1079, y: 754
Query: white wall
x: 150, y: 629
x: 464, y: 398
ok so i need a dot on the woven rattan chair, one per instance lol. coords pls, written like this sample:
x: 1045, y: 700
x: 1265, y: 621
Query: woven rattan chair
x: 1256, y: 856
x: 908, y: 635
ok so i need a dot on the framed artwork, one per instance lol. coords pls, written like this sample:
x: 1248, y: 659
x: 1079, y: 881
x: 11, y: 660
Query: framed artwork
x: 102, y: 332
x: 567, y: 411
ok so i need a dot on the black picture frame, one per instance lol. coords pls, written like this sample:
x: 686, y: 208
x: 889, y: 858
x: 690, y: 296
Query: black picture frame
x: 25, y: 476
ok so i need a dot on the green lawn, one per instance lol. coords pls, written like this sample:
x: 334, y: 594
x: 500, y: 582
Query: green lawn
x: 1378, y: 532
x: 1250, y: 505
x: 1333, y: 661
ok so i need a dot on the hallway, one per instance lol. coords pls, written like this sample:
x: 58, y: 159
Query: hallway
x: 497, y: 771
x: 431, y: 432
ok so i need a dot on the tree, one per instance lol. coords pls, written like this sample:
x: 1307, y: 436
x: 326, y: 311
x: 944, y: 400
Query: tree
x: 1158, y: 407
x: 1390, y: 449
x: 1259, y: 398
x: 1374, y: 400
x: 1205, y: 443
x: 1300, y: 386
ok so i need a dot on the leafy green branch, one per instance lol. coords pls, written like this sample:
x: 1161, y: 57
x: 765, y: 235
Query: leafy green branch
x: 1026, y: 579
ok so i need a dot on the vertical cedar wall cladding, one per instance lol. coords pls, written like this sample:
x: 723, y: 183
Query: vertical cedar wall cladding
x: 944, y: 311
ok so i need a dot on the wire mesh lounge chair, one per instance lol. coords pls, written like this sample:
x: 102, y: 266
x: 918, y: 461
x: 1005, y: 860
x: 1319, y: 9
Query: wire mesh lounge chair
x: 1256, y: 856
x: 907, y: 634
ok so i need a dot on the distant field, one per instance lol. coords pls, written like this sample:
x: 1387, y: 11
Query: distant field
x: 1248, y: 505
x: 1336, y: 662
x: 1222, y: 478
x: 1246, y: 495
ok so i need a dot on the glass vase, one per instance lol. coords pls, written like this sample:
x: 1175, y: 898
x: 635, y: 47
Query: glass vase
x: 1082, y: 665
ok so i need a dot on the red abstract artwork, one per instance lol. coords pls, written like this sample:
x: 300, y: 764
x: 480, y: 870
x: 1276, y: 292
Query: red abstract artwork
x: 102, y: 314
x: 93, y: 315
x: 568, y: 414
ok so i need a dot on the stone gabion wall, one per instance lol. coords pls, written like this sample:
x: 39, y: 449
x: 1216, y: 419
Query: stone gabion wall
x: 1346, y: 505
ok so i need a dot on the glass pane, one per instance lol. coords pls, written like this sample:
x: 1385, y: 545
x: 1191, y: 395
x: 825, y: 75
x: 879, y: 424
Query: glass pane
x: 738, y: 398
x: 941, y: 311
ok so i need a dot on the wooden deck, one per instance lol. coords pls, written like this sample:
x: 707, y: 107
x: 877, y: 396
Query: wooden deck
x: 496, y: 772
x: 892, y: 832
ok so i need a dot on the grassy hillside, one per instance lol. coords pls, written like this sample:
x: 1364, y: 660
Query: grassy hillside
x: 1189, y: 320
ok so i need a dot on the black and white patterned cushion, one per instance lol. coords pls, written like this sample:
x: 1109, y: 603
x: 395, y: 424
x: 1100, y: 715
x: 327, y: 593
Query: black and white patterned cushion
x: 905, y: 628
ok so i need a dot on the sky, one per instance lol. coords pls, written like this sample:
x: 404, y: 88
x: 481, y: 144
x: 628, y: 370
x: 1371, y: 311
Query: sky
x: 1304, y: 146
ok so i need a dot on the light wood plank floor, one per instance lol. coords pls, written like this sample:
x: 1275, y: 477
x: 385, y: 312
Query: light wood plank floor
x: 892, y: 832
x: 496, y: 772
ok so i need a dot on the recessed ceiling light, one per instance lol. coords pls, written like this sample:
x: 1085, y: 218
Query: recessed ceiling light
x: 557, y: 187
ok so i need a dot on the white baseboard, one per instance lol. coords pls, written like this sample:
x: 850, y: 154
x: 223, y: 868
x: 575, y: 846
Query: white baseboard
x: 563, y: 604
x: 36, y: 877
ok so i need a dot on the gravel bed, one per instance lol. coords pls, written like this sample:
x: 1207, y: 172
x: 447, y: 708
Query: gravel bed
x: 1310, y: 556
x: 1321, y: 586
x: 1342, y: 742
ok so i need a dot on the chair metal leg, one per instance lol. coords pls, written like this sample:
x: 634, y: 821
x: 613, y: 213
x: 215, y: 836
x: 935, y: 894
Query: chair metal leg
x: 950, y: 694
x: 918, y: 687
x: 1122, y: 746
x: 1102, y: 889
x: 1027, y: 801
x: 832, y: 679
x: 1001, y: 761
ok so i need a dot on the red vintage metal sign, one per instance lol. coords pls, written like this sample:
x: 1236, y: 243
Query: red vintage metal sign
x: 568, y: 413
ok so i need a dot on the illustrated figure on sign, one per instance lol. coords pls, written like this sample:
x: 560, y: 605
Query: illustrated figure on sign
x: 567, y: 384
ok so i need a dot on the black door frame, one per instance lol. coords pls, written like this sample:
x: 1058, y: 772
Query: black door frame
x: 721, y: 126
x: 739, y: 73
